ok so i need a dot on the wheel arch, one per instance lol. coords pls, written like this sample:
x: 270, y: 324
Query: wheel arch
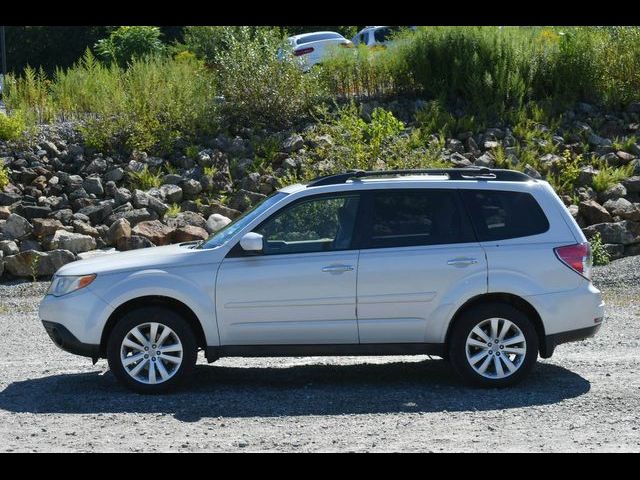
x: 153, y: 300
x: 509, y: 299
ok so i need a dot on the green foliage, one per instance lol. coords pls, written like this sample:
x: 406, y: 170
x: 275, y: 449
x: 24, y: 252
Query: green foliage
x: 130, y: 42
x: 145, y: 179
x: 4, y: 175
x: 364, y: 72
x: 491, y: 70
x: 210, y: 171
x: 173, y: 211
x: 378, y: 144
x: 34, y: 266
x: 600, y: 255
x: 564, y: 175
x: 11, y: 128
x: 260, y: 89
x: 434, y: 118
x: 191, y: 151
x: 146, y: 106
x: 608, y: 175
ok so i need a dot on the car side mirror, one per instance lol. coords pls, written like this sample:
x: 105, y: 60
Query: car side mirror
x: 252, y: 242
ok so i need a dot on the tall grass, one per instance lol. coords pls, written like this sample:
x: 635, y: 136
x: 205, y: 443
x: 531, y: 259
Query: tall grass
x: 491, y: 70
x: 145, y: 106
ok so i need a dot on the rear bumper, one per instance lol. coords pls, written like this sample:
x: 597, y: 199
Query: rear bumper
x: 64, y: 339
x: 555, y: 339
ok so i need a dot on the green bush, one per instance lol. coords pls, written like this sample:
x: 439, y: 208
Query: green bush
x: 600, y: 255
x: 130, y: 42
x: 608, y: 176
x: 145, y: 179
x: 146, y: 106
x: 4, y: 175
x: 364, y: 72
x: 261, y: 90
x: 491, y: 70
x: 11, y: 127
x: 378, y: 144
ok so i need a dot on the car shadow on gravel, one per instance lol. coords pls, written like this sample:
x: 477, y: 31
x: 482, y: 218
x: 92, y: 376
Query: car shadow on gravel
x: 316, y: 389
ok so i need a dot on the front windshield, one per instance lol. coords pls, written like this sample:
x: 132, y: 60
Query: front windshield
x: 222, y: 236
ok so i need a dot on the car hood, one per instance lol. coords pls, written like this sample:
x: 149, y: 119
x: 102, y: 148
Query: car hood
x: 178, y: 255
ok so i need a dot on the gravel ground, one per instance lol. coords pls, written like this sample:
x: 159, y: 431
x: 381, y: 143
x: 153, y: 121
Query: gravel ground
x: 586, y: 398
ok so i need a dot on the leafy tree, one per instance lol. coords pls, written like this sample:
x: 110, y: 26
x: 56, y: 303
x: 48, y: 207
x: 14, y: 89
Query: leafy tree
x: 129, y: 42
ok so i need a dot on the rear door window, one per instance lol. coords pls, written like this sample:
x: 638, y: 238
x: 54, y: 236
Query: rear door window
x: 401, y: 218
x: 500, y: 215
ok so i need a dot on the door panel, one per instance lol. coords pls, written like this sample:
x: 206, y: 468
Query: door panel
x: 398, y: 288
x: 417, y: 247
x: 288, y: 299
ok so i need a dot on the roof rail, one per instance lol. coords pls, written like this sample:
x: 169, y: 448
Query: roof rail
x: 472, y: 173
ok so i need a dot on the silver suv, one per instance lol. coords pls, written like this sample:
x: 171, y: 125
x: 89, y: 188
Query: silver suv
x: 485, y: 268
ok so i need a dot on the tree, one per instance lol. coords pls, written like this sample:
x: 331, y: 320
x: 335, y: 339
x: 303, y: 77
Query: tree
x: 128, y: 42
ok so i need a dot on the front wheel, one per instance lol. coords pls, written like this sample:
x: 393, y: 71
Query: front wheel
x: 493, y: 345
x: 151, y: 350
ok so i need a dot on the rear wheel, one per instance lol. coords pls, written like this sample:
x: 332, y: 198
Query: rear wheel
x: 152, y: 350
x: 493, y: 345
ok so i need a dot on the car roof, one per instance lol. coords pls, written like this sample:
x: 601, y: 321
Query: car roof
x: 302, y: 35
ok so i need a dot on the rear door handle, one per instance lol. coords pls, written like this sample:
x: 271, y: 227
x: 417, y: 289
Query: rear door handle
x: 462, y: 262
x: 337, y: 268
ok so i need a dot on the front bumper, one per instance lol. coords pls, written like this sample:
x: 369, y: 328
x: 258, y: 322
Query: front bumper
x: 64, y: 339
x: 555, y: 339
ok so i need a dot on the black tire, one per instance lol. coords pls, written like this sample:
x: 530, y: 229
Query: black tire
x: 141, y: 316
x: 461, y: 330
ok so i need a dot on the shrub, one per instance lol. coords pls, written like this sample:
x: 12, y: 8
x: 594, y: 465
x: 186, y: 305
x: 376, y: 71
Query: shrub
x: 600, y: 254
x: 145, y: 179
x: 130, y: 42
x: 173, y: 211
x: 364, y: 72
x: 260, y: 89
x: 11, y: 128
x: 380, y: 143
x: 608, y: 176
x: 4, y: 175
x: 146, y: 106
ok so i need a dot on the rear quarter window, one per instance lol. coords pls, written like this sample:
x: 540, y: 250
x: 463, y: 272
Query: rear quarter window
x: 500, y: 215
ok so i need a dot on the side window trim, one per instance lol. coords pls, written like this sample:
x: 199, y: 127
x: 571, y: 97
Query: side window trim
x: 237, y: 251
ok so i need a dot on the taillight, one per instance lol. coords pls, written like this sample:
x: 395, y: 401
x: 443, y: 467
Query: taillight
x: 303, y: 51
x: 577, y: 257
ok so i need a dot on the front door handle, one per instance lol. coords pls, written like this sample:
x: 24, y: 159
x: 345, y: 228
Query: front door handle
x: 337, y: 268
x: 462, y: 261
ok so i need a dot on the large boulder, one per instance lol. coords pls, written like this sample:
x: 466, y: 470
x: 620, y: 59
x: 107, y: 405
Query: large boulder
x: 187, y: 218
x: 118, y: 230
x: 97, y: 213
x: 632, y: 184
x: 74, y: 242
x: 155, y: 231
x: 623, y: 208
x: 9, y: 247
x: 30, y: 262
x: 43, y: 227
x: 216, y: 222
x: 625, y: 232
x: 293, y: 143
x: 134, y: 242
x: 171, y: 193
x: 189, y: 233
x: 593, y: 212
x: 16, y: 227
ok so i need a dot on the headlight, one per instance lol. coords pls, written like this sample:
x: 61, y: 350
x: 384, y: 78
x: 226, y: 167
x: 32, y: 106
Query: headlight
x: 61, y: 285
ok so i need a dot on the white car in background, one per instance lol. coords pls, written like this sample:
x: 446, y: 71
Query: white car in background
x: 314, y: 47
x: 376, y: 36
